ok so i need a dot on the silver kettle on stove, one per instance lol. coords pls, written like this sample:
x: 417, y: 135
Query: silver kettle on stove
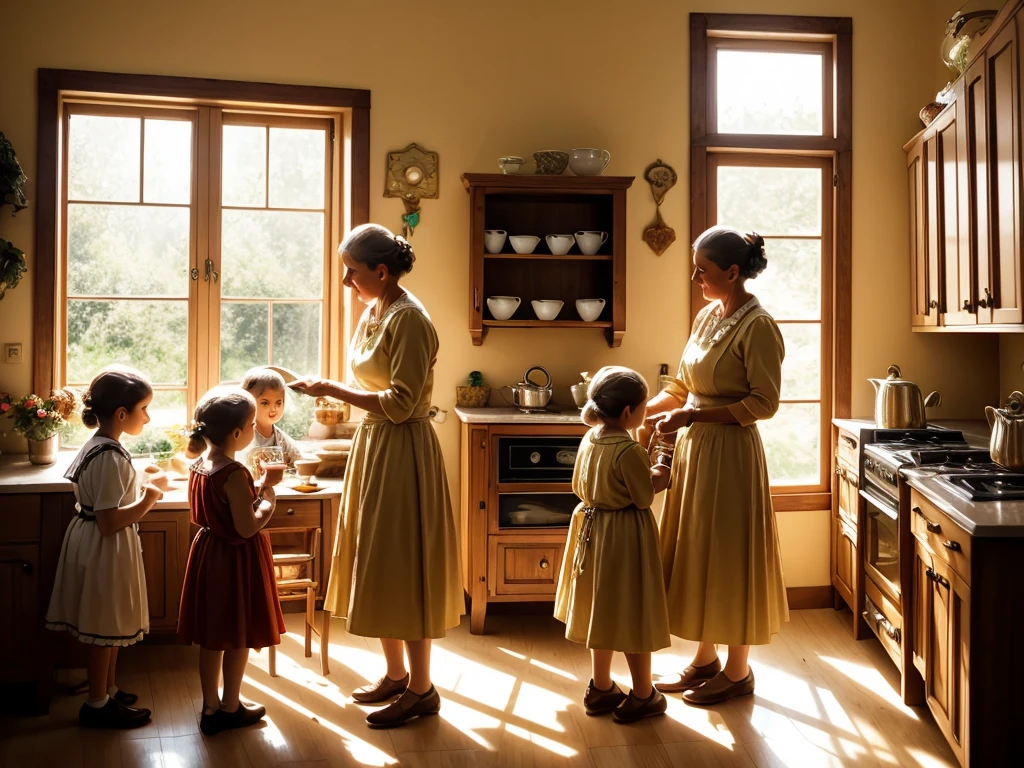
x: 899, y: 404
x: 1007, y: 442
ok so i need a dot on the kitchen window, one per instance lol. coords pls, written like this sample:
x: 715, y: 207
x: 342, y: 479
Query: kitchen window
x: 193, y: 237
x: 770, y: 152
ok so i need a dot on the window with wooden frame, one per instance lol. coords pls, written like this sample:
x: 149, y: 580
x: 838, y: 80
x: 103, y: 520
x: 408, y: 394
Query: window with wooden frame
x: 192, y: 230
x: 770, y: 152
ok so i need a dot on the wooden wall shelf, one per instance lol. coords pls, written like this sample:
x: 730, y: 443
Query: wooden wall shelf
x: 544, y: 205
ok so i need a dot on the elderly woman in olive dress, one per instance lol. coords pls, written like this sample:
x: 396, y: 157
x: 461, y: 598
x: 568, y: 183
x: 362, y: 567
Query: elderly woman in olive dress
x: 395, y: 572
x: 718, y: 537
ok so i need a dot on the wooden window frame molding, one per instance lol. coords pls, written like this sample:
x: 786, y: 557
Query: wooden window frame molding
x: 838, y: 31
x: 55, y: 84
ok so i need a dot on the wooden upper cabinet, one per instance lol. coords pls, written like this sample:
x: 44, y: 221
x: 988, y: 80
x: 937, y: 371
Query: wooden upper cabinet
x: 999, y: 276
x: 924, y: 264
x: 955, y: 306
x: 964, y: 177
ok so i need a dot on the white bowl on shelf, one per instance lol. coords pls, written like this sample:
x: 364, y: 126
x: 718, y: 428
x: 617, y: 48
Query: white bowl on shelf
x: 503, y: 307
x: 590, y: 242
x: 546, y: 309
x: 559, y: 245
x: 589, y: 309
x: 523, y: 243
x: 494, y: 240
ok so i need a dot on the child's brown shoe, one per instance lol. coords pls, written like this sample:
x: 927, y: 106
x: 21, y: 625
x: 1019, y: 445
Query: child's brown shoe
x: 598, y: 702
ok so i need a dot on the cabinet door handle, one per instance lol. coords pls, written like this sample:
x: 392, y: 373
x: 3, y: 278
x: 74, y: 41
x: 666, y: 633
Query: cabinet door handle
x: 26, y: 566
x: 940, y: 580
x: 967, y: 306
x: 933, y: 304
x: 544, y: 563
x: 476, y: 299
x: 849, y: 441
x: 988, y: 302
x: 952, y: 546
x: 840, y: 471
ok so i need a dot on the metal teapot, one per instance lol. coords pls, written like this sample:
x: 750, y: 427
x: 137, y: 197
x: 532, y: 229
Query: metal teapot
x: 898, y: 402
x: 528, y: 395
x: 1007, y: 442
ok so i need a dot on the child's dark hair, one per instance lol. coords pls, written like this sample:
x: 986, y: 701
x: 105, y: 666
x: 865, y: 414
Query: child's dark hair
x: 611, y: 391
x: 113, y: 388
x: 259, y: 380
x: 221, y: 411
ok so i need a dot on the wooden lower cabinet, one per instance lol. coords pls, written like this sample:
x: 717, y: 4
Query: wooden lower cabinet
x: 847, y: 573
x: 844, y: 560
x: 165, y: 544
x: 969, y: 655
x: 506, y: 563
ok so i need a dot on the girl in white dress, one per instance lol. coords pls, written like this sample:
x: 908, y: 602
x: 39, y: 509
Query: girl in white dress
x: 99, y: 594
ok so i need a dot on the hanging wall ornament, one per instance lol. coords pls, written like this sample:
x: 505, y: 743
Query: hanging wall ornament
x: 411, y: 175
x: 662, y: 178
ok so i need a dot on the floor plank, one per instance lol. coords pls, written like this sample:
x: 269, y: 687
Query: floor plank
x: 510, y: 699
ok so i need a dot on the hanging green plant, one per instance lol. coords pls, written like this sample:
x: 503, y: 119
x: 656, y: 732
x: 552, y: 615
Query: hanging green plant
x: 12, y: 265
x: 12, y: 178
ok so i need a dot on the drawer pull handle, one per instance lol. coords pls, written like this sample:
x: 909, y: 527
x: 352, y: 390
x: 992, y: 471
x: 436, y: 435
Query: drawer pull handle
x: 544, y: 563
x: 940, y: 580
x: 932, y: 527
x: 290, y: 511
x: 849, y: 441
x: 952, y: 546
x: 26, y: 566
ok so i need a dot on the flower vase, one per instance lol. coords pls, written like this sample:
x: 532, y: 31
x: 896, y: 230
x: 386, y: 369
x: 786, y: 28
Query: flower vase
x: 44, y: 451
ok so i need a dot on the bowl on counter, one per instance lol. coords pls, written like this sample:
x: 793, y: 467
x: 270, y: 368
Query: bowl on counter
x: 589, y: 309
x: 551, y: 161
x: 503, y: 307
x: 306, y: 466
x: 546, y: 309
x: 523, y: 243
x: 589, y: 162
x: 559, y: 245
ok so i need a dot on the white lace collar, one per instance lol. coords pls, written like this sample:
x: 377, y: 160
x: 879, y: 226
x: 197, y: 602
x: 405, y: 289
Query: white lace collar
x: 715, y: 327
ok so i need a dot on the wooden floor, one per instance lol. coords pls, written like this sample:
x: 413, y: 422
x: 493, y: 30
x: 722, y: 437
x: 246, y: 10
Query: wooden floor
x: 510, y: 698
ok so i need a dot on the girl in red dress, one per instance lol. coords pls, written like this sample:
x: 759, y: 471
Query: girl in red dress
x: 229, y: 601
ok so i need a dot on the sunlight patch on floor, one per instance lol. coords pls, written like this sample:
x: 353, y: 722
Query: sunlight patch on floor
x: 870, y: 679
x: 554, y: 670
x: 705, y: 722
x: 364, y: 752
x: 541, y: 706
x: 512, y: 653
x: 469, y: 721
x: 541, y: 741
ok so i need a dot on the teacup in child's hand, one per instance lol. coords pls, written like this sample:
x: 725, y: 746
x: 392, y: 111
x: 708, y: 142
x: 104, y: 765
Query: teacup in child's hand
x: 273, y: 473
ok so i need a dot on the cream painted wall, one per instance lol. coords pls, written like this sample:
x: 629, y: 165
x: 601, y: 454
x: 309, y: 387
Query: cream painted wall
x: 606, y: 74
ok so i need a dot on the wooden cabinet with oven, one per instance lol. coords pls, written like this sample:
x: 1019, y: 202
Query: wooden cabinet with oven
x: 516, y: 502
x: 845, y: 560
x: 965, y: 188
x: 538, y: 206
x: 967, y: 621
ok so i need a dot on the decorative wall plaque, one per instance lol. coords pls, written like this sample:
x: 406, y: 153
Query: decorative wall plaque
x: 659, y: 236
x: 411, y: 175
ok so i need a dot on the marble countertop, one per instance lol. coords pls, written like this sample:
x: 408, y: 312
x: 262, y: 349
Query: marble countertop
x: 515, y: 416
x: 978, y: 518
x: 17, y: 475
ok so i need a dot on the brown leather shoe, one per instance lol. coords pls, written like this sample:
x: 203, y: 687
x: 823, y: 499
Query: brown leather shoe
x: 383, y: 690
x: 634, y: 708
x: 692, y: 677
x: 598, y: 702
x: 407, y: 707
x: 720, y: 689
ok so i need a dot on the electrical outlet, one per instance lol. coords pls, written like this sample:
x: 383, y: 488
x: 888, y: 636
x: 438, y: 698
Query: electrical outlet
x: 12, y: 353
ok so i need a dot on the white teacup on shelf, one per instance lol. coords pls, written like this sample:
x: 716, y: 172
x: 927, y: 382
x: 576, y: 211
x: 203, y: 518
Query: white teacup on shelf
x: 589, y: 309
x: 590, y: 242
x: 546, y: 309
x: 494, y: 240
x: 523, y: 243
x: 503, y: 307
x: 559, y: 245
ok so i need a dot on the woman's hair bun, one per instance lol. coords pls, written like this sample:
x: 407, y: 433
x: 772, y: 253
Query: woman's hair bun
x: 756, y: 258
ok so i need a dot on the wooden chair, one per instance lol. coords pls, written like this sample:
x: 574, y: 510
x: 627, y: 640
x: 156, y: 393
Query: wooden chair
x: 302, y: 588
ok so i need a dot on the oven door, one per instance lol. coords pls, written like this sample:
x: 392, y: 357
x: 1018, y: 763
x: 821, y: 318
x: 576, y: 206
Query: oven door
x: 882, y: 541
